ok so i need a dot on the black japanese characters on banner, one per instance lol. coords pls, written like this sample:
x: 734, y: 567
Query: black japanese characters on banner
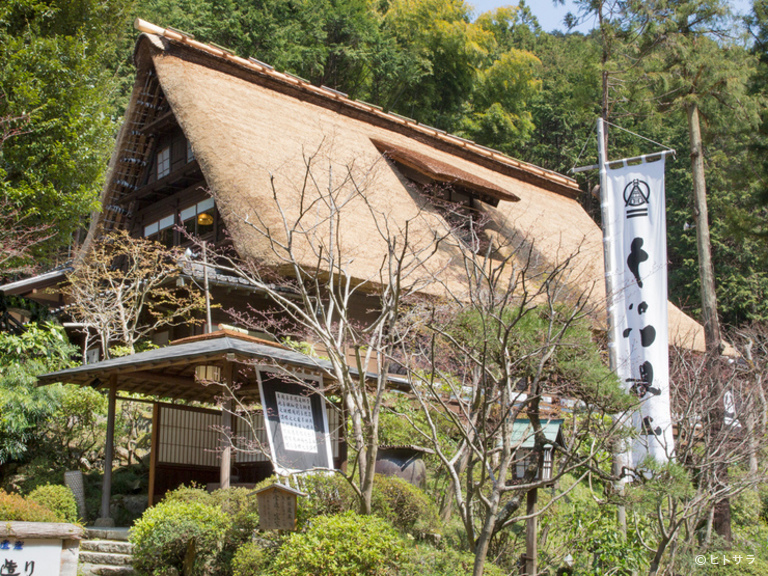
x: 636, y: 257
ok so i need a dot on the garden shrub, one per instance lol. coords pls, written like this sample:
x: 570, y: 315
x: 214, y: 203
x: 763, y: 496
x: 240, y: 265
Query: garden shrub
x: 342, y: 545
x: 15, y: 508
x: 238, y: 503
x: 189, y: 494
x: 234, y: 500
x: 404, y: 505
x: 58, y: 499
x: 249, y: 560
x: 428, y: 561
x: 162, y: 536
x: 327, y: 494
x: 241, y: 505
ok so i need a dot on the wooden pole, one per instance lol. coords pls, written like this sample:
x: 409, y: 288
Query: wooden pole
x: 531, y: 527
x: 226, y: 423
x: 153, y: 450
x: 109, y: 451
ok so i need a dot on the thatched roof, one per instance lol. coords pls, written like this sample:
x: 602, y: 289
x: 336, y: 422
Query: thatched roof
x: 252, y: 130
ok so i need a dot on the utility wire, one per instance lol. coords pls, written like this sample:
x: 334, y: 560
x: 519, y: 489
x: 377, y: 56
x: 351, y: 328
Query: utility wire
x: 639, y: 136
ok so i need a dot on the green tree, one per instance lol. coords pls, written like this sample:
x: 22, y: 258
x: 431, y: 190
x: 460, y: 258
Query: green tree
x: 498, y: 113
x: 700, y: 71
x: 423, y: 59
x: 24, y: 408
x: 56, y: 70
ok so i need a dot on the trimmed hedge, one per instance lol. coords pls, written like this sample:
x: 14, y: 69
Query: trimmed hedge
x: 171, y: 531
x: 342, y: 545
x: 405, y: 506
x: 238, y: 503
x: 15, y: 508
x: 58, y: 499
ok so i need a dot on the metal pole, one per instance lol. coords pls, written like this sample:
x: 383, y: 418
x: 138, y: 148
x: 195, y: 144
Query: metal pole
x: 611, y: 270
x: 609, y: 230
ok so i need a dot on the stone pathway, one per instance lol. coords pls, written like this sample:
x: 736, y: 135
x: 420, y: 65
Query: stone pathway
x: 106, y: 552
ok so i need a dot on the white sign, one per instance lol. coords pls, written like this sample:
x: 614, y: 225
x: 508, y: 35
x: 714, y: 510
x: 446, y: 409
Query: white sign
x: 27, y: 557
x: 296, y: 422
x: 638, y: 307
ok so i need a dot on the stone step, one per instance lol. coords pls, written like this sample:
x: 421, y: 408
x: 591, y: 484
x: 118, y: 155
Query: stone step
x: 104, y: 570
x: 106, y: 534
x: 105, y: 558
x: 106, y: 546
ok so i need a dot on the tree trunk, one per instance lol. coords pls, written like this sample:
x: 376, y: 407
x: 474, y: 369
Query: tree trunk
x: 708, y: 298
x: 653, y: 569
x: 363, y: 453
x: 484, y: 538
x: 531, y: 534
x: 446, y: 509
x: 368, y: 472
x: 710, y: 523
x: 703, y: 245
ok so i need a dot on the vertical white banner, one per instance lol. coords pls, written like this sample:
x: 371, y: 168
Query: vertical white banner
x: 638, y: 307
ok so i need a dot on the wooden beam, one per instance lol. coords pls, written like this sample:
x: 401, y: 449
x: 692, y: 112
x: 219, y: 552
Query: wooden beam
x: 160, y: 365
x: 152, y: 376
x: 168, y: 180
x: 41, y: 530
x: 158, y: 122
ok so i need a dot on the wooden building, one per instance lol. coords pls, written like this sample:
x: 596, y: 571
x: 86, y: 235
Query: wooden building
x: 212, y: 140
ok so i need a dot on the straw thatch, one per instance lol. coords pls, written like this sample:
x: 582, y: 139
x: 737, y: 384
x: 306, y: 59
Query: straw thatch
x: 253, y: 131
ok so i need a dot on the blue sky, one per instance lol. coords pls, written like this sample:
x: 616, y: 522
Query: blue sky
x: 551, y: 16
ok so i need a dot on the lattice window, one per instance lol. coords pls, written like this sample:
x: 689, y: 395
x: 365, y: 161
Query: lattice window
x: 164, y: 162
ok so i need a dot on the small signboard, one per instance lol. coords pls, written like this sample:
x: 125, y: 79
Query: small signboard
x: 277, y: 507
x: 30, y: 557
x: 296, y: 424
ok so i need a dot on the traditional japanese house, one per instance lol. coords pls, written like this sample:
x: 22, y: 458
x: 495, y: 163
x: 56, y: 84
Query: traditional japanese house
x: 210, y: 141
x: 203, y: 123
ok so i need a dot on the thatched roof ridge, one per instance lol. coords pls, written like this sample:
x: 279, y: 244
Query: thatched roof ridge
x: 542, y: 177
